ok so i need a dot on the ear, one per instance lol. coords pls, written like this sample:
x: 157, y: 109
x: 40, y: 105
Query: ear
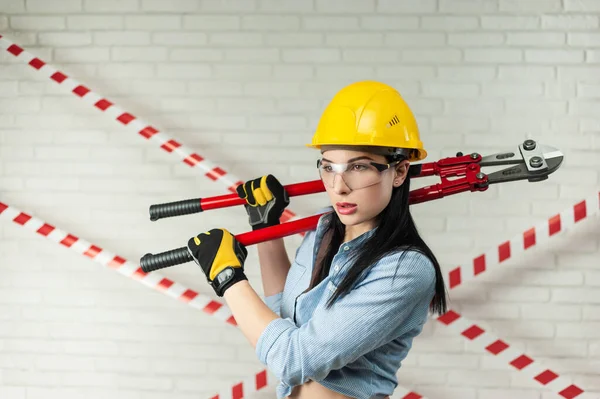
x: 401, y: 171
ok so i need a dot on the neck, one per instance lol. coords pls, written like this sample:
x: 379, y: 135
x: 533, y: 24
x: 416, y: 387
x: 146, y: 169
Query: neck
x: 351, y: 232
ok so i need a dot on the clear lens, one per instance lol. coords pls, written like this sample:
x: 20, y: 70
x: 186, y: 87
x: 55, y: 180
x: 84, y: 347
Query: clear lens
x: 356, y: 174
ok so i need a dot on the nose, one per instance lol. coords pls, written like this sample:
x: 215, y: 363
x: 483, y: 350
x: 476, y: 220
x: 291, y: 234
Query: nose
x: 339, y: 185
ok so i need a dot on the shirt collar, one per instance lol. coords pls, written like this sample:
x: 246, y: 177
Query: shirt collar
x: 323, y: 225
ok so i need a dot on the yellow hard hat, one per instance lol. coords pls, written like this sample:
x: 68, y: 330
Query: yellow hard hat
x: 369, y: 113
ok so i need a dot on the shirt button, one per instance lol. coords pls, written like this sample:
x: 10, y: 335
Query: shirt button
x: 346, y: 248
x: 336, y: 268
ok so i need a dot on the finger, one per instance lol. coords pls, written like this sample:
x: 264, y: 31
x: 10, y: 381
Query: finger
x: 240, y: 191
x: 258, y: 193
x: 265, y: 186
x: 249, y: 194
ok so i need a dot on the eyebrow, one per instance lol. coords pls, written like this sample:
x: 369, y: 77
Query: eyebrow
x: 352, y: 160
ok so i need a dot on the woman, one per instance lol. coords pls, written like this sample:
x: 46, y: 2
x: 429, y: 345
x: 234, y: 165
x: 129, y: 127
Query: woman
x: 340, y: 319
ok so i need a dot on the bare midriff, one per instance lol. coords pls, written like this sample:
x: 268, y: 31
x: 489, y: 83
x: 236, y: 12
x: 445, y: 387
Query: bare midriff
x: 313, y: 390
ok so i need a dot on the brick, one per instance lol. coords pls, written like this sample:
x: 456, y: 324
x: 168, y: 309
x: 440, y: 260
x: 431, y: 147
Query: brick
x: 82, y: 54
x: 125, y: 70
x: 586, y: 6
x: 505, y: 22
x: 513, y: 89
x: 529, y: 72
x: 172, y: 5
x: 352, y: 39
x: 424, y: 39
x: 264, y: 55
x: 110, y: 6
x: 583, y: 39
x: 536, y: 39
x: 131, y: 38
x: 433, y: 55
x: 153, y: 22
x: 531, y: 6
x: 344, y: 6
x: 578, y: 330
x: 550, y: 311
x: 466, y: 73
x: 575, y: 295
x: 348, y: 72
x: 96, y: 22
x: 246, y: 70
x: 479, y: 378
x: 391, y: 6
x: 329, y: 23
x: 578, y: 73
x: 554, y: 56
x: 407, y: 72
x: 376, y: 56
x: 495, y: 56
x: 37, y: 22
x: 537, y: 107
x: 592, y: 56
x: 449, y: 23
x: 294, y: 72
x: 183, y: 71
x: 180, y: 39
x: 270, y: 23
x: 233, y: 6
x: 65, y: 39
x: 468, y: 7
x: 483, y: 39
x: 237, y: 39
x: 13, y: 392
x: 58, y: 6
x: 570, y: 22
x: 311, y: 55
x: 285, y: 6
x: 197, y: 54
x: 389, y: 23
x: 591, y: 313
x: 211, y: 22
x: 12, y: 6
x: 139, y: 54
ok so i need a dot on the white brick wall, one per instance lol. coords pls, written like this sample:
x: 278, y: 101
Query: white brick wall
x: 243, y: 82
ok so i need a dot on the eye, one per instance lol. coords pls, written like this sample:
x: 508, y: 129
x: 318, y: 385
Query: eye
x: 326, y: 168
x: 359, y: 167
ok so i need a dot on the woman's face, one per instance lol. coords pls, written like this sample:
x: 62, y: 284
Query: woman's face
x: 355, y: 205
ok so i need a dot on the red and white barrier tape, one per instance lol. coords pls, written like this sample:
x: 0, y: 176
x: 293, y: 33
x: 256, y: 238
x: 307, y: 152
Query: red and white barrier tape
x: 470, y: 330
x: 526, y: 240
x: 513, y: 357
x: 153, y: 280
x: 131, y: 122
x: 106, y: 258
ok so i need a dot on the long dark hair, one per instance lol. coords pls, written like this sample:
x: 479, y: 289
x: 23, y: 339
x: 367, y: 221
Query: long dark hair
x: 396, y: 231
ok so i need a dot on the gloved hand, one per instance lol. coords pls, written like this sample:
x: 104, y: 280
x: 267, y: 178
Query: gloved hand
x: 266, y: 200
x: 220, y: 256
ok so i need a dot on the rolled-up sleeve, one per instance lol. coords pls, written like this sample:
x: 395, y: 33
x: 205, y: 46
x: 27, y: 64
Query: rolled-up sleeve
x: 356, y: 324
x: 274, y: 303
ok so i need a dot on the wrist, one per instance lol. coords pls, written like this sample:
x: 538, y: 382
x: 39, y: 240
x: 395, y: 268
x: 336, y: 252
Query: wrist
x: 227, y: 278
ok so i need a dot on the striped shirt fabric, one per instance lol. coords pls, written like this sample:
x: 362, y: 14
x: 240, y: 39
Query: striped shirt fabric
x: 355, y: 347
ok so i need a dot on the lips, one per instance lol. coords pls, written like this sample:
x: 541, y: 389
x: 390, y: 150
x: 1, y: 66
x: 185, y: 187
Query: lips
x: 346, y: 208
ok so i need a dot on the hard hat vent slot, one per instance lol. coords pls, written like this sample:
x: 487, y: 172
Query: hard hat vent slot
x: 393, y: 121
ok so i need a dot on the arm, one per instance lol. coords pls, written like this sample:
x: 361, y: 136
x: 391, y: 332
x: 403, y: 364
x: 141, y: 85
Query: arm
x: 377, y: 307
x: 274, y: 265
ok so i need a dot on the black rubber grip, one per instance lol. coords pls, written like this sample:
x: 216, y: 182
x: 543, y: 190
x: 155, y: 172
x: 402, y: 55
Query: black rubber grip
x: 173, y: 257
x: 178, y: 208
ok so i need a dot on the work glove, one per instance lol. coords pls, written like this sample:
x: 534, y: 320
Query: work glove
x: 220, y: 256
x: 266, y: 200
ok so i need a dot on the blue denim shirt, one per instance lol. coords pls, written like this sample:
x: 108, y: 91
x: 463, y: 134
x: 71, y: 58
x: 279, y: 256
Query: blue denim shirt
x: 355, y: 347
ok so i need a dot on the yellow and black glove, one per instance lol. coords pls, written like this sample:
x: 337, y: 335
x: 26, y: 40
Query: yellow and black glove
x: 266, y: 200
x: 220, y: 256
